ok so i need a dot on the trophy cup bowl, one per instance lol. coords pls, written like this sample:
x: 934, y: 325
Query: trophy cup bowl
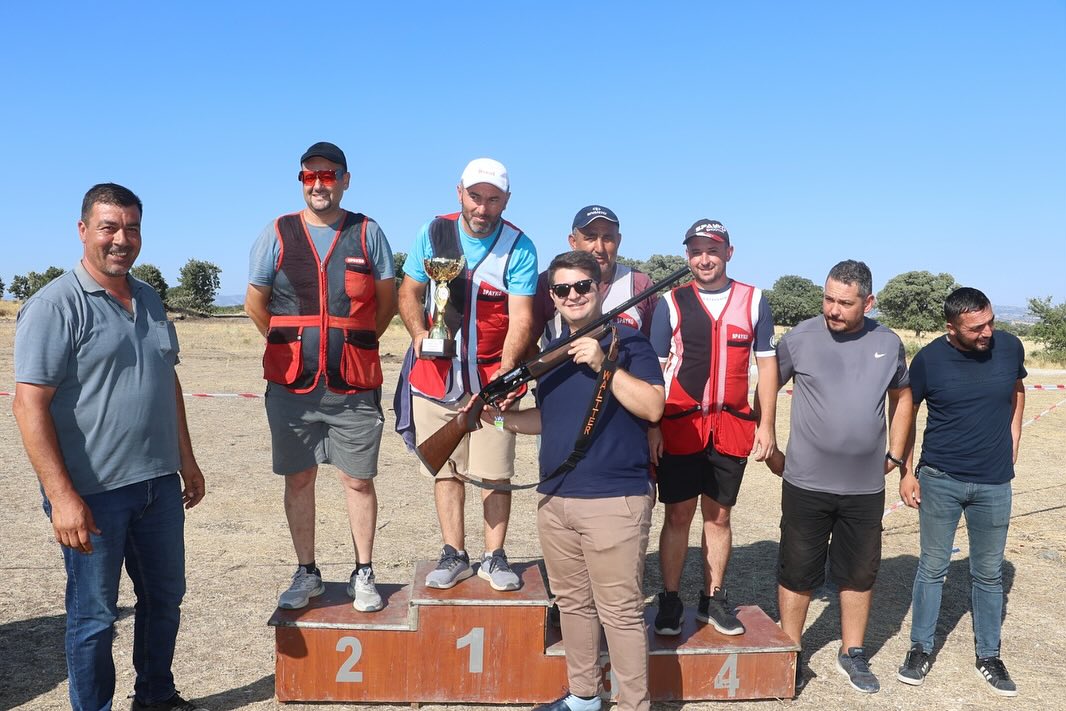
x: 439, y: 343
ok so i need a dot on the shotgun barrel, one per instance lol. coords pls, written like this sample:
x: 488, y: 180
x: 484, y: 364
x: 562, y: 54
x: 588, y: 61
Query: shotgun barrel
x: 438, y: 447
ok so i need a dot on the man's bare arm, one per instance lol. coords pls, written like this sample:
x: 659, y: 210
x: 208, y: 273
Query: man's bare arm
x: 1018, y: 405
x: 766, y: 392
x: 900, y: 419
x: 385, y: 292
x: 256, y: 305
x: 191, y: 476
x: 72, y: 521
x: 519, y: 331
x: 412, y: 310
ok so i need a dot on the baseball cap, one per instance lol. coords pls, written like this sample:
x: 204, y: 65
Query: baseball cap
x: 324, y: 149
x: 486, y: 170
x: 593, y: 212
x: 712, y: 229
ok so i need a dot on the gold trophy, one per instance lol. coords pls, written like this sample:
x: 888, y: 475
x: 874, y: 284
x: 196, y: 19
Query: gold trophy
x: 439, y: 343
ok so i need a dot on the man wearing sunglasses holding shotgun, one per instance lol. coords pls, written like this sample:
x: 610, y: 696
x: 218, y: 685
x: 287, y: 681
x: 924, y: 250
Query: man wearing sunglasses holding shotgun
x: 489, y: 312
x: 595, y: 512
x: 321, y: 290
x: 704, y: 334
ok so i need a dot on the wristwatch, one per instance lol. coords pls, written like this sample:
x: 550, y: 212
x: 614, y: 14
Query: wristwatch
x: 897, y: 462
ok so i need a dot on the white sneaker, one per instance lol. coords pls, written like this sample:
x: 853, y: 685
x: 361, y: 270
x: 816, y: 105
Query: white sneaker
x: 364, y: 593
x: 304, y: 587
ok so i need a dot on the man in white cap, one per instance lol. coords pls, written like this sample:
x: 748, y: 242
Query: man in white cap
x: 489, y: 313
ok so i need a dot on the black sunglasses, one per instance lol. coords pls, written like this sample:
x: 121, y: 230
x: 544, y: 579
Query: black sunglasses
x: 561, y: 291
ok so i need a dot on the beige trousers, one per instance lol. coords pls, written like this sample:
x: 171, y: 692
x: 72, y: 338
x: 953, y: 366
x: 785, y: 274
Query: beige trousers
x: 594, y: 551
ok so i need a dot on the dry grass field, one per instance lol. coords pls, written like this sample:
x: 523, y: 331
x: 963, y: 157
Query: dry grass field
x: 240, y: 557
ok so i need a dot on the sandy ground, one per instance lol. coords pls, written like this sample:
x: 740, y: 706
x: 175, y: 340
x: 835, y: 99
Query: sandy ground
x: 240, y: 557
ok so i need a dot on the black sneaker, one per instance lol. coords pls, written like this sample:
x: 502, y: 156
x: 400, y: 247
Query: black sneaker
x: 992, y: 671
x: 668, y: 618
x: 174, y: 703
x: 915, y: 667
x: 801, y: 674
x: 715, y: 610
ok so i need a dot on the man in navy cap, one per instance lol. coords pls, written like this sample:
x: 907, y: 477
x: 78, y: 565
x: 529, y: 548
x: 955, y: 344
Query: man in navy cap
x: 596, y: 230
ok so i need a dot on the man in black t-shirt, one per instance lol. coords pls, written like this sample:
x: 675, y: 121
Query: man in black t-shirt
x: 971, y: 380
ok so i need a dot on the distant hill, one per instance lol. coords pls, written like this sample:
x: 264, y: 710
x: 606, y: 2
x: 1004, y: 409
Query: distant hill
x: 1019, y: 314
x: 230, y: 300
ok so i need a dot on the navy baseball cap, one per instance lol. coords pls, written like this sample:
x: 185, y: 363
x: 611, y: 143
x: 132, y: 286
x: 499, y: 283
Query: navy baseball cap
x: 324, y: 149
x: 712, y: 229
x: 593, y: 212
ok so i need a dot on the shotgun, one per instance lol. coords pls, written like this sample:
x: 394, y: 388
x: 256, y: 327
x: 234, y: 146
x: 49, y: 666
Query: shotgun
x: 435, y: 451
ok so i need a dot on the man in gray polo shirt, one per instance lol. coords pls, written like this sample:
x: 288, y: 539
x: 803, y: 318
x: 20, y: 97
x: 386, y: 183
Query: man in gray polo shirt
x: 844, y: 366
x: 100, y: 409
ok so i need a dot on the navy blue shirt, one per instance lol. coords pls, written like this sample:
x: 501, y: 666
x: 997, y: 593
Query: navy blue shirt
x: 616, y: 463
x: 969, y: 396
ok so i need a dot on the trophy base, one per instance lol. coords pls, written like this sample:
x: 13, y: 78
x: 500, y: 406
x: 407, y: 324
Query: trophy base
x: 438, y: 348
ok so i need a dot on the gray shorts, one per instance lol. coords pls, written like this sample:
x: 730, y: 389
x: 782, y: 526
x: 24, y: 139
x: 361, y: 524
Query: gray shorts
x: 321, y: 427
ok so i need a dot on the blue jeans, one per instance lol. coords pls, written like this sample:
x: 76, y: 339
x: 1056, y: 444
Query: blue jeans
x: 987, y: 509
x: 143, y: 524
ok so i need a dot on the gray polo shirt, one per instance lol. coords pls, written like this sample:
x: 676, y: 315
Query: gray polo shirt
x: 837, y: 441
x: 114, y: 407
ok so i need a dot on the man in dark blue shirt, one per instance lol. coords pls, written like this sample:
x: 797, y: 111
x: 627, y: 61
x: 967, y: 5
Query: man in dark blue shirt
x: 971, y: 380
x: 594, y: 516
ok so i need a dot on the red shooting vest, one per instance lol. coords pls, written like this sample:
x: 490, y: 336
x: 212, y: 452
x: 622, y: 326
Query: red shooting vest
x: 707, y: 374
x: 335, y: 295
x: 476, y: 314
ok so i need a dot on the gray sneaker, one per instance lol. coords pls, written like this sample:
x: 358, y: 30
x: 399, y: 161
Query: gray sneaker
x: 854, y: 666
x: 452, y: 567
x: 497, y: 571
x: 304, y: 587
x: 364, y: 593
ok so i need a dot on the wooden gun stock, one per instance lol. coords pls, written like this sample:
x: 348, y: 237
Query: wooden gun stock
x: 435, y: 451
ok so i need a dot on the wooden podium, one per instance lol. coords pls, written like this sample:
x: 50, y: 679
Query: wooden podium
x: 474, y: 644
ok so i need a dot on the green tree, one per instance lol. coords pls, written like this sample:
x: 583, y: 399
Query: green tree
x: 794, y: 299
x: 631, y: 263
x: 915, y: 301
x: 23, y: 287
x: 398, y: 259
x: 198, y: 281
x: 150, y: 274
x: 1050, y: 330
x: 659, y: 266
x: 1, y: 288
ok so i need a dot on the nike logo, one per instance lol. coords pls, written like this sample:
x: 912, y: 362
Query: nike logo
x: 880, y: 355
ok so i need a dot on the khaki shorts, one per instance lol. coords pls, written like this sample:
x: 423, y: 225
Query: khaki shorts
x: 486, y: 454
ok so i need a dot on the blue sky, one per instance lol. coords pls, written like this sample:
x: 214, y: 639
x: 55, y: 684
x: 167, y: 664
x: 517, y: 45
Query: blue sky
x: 911, y: 135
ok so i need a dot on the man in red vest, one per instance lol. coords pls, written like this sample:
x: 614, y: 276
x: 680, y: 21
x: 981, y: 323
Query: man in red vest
x: 321, y: 291
x: 704, y: 334
x: 489, y: 314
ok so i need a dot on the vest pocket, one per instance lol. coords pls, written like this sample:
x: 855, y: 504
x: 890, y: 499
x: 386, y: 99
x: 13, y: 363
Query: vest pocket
x: 358, y: 281
x: 283, y: 358
x: 360, y: 366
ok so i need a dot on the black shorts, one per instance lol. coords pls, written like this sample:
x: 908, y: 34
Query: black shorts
x: 814, y: 523
x: 682, y: 477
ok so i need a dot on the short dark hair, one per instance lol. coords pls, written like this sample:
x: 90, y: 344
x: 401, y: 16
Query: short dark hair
x: 852, y: 272
x: 964, y: 300
x: 577, y: 259
x: 109, y: 194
